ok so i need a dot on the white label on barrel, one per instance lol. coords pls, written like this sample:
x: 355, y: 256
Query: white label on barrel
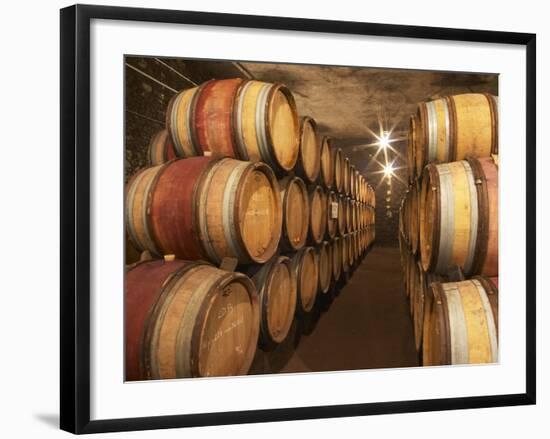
x: 334, y: 210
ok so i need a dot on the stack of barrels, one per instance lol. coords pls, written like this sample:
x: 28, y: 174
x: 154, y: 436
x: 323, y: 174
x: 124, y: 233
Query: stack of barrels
x: 241, y: 220
x: 448, y: 229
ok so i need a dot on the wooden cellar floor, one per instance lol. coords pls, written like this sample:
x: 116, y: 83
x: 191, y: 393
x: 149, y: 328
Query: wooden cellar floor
x: 365, y: 325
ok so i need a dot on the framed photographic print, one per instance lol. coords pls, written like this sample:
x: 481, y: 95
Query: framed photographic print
x: 269, y: 218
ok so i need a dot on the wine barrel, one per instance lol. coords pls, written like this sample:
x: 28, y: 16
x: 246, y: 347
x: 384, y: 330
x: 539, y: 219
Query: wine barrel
x: 408, y: 256
x: 304, y: 263
x: 324, y: 207
x: 276, y: 284
x: 456, y: 127
x: 405, y: 265
x: 341, y: 215
x: 188, y: 319
x: 458, y: 217
x: 352, y: 248
x: 357, y: 245
x: 345, y: 253
x: 486, y: 176
x: 369, y: 216
x: 317, y: 215
x: 353, y: 182
x: 414, y: 234
x: 354, y: 215
x: 411, y: 150
x: 336, y: 258
x: 346, y: 176
x: 414, y: 281
x: 338, y: 169
x: 412, y: 273
x: 463, y: 323
x: 406, y: 217
x: 349, y: 214
x: 422, y: 303
x: 308, y: 165
x: 372, y: 216
x: 324, y: 258
x: 296, y: 217
x: 327, y: 166
x: 161, y: 148
x: 244, y: 119
x: 205, y: 208
x: 332, y: 214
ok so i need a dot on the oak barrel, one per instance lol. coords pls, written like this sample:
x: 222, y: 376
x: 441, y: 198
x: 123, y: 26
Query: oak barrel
x: 317, y: 215
x: 332, y: 214
x: 244, y: 119
x: 296, y: 217
x: 304, y: 263
x: 308, y: 165
x: 277, y: 291
x: 458, y: 217
x: 341, y: 215
x: 205, y: 208
x: 354, y: 181
x: 188, y: 319
x: 348, y: 212
x: 338, y: 169
x: 356, y: 245
x: 161, y: 148
x: 354, y: 215
x: 336, y: 258
x: 345, y: 253
x: 411, y: 149
x: 346, y: 177
x: 351, y: 249
x: 414, y: 226
x: 324, y: 258
x: 326, y: 175
x: 456, y: 127
x: 463, y: 323
x: 422, y: 304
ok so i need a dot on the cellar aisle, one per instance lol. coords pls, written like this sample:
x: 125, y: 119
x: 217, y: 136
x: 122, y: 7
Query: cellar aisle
x: 366, y: 325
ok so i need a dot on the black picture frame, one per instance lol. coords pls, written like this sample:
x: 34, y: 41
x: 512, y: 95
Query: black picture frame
x: 75, y: 217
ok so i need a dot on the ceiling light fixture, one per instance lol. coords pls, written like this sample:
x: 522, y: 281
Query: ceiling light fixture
x: 388, y: 170
x: 384, y: 140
